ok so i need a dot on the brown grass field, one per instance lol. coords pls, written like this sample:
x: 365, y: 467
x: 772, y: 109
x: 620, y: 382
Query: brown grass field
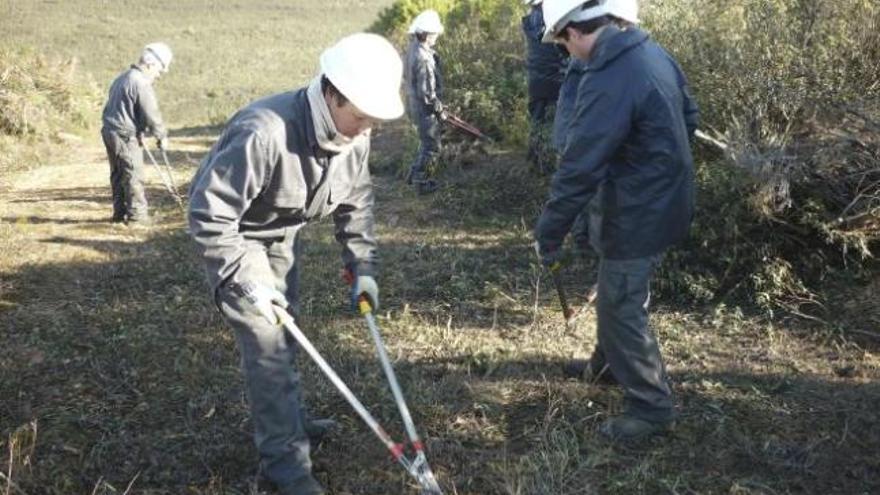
x: 117, y: 376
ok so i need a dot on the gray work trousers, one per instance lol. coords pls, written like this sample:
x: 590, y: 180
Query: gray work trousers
x: 428, y: 125
x: 126, y: 176
x: 626, y: 343
x: 268, y: 356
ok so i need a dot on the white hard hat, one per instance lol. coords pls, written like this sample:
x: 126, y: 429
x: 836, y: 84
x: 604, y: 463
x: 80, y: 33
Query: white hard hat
x: 559, y: 13
x: 532, y: 2
x: 426, y: 22
x: 628, y: 10
x: 367, y: 70
x: 159, y: 52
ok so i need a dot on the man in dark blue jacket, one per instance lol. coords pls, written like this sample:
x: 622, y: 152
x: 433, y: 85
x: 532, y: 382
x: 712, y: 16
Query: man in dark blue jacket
x: 546, y: 65
x: 628, y: 146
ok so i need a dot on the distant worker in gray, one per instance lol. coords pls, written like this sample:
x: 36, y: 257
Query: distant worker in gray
x: 423, y: 81
x: 545, y: 64
x: 281, y: 163
x: 131, y: 114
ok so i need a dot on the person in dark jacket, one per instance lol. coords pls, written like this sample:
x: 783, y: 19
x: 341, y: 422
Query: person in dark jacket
x: 423, y: 82
x: 627, y: 146
x: 132, y: 112
x: 281, y: 163
x: 562, y: 118
x: 545, y: 64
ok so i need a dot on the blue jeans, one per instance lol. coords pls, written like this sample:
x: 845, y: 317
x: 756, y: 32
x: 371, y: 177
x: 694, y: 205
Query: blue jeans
x: 625, y: 341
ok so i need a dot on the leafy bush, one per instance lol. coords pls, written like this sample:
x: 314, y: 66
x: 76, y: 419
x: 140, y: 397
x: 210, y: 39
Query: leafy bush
x: 788, y: 84
x: 482, y: 52
x: 42, y: 102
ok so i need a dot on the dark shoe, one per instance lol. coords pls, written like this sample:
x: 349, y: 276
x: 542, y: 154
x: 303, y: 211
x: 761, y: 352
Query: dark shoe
x: 426, y: 187
x: 582, y: 369
x: 139, y: 221
x: 318, y: 429
x: 630, y: 429
x: 303, y: 486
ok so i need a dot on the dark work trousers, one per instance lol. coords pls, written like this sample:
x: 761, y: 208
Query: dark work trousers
x: 626, y: 343
x: 428, y: 125
x: 268, y: 356
x: 126, y: 176
x: 542, y: 154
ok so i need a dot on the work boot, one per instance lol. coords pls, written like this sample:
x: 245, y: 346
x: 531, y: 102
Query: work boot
x: 426, y: 186
x: 141, y: 219
x: 583, y: 369
x: 630, y: 429
x: 318, y: 429
x: 303, y: 486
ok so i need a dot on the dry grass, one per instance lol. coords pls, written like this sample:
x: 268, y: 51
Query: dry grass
x: 225, y: 53
x: 118, y: 376
x: 117, y: 359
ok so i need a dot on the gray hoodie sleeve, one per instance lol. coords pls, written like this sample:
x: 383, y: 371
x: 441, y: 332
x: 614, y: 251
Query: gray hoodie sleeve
x: 599, y: 126
x: 355, y: 224
x: 151, y: 118
x: 226, y: 184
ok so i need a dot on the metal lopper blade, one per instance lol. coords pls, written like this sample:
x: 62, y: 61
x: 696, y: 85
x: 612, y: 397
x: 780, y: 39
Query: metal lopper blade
x: 422, y: 472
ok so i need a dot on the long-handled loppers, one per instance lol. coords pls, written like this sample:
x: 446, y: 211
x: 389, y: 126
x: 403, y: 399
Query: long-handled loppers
x: 466, y: 127
x: 567, y: 312
x: 165, y: 175
x: 415, y: 464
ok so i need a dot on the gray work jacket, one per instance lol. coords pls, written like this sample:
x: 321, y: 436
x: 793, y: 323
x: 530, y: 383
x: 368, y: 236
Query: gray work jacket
x: 628, y: 145
x: 132, y: 108
x: 423, y: 77
x: 267, y: 175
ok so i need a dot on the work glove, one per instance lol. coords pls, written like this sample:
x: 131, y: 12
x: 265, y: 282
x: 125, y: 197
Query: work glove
x: 263, y: 298
x: 362, y: 285
x: 140, y: 140
x: 162, y: 143
x: 550, y: 256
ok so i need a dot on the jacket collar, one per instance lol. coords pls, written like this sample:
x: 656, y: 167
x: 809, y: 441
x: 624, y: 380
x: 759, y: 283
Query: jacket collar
x: 303, y: 114
x: 612, y: 43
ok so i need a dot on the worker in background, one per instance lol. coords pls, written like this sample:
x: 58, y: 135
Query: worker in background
x: 423, y: 82
x: 545, y: 64
x: 131, y: 114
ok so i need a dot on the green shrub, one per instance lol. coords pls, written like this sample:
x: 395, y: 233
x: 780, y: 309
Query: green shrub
x: 482, y: 52
x: 791, y: 85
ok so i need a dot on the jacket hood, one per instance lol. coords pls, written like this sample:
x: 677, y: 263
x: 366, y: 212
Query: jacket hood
x: 614, y: 42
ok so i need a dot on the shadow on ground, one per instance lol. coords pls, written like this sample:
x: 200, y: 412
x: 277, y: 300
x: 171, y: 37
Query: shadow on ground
x: 129, y: 372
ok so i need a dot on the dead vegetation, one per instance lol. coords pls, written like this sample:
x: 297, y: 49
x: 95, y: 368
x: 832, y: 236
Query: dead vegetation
x: 118, y: 376
x: 45, y: 107
x: 126, y: 381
